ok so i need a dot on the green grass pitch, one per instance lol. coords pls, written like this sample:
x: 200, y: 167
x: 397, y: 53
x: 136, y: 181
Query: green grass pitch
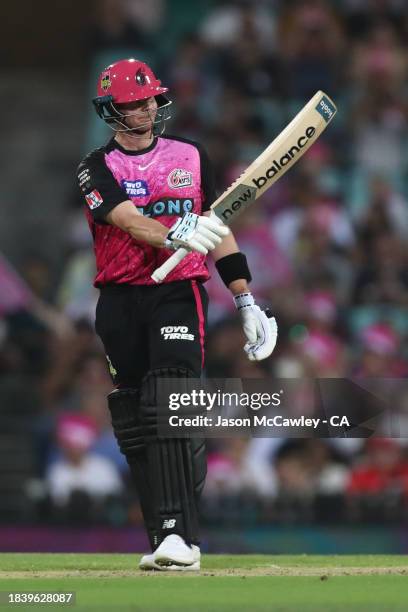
x: 226, y: 583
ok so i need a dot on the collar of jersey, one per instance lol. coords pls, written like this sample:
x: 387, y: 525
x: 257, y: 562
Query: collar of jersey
x: 113, y: 144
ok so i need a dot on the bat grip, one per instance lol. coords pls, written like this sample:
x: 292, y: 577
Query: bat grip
x: 160, y: 273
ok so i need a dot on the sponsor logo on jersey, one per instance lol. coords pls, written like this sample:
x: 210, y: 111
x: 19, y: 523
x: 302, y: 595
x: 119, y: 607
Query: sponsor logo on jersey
x: 106, y: 83
x: 169, y: 523
x: 147, y: 165
x: 179, y: 178
x: 84, y: 179
x: 168, y: 207
x: 94, y: 199
x: 135, y: 189
x: 176, y: 332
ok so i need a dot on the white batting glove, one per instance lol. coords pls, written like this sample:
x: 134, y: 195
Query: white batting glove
x: 260, y: 330
x: 196, y: 233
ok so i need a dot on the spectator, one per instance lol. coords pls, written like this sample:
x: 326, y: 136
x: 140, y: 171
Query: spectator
x: 113, y: 28
x: 380, y: 355
x: 311, y: 41
x: 383, y: 469
x: 78, y: 470
x: 226, y: 25
x: 383, y: 277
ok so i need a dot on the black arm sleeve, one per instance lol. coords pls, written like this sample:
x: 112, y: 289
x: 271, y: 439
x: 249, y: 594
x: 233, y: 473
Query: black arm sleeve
x: 207, y: 180
x: 98, y: 186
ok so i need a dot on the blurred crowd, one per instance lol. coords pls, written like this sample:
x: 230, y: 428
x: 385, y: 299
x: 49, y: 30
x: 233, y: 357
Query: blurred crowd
x: 327, y: 248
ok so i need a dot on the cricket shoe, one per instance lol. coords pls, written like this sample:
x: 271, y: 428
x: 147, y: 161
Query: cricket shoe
x: 173, y: 554
x: 147, y: 563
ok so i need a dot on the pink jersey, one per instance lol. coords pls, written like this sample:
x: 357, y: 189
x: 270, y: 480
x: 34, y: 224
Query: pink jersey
x: 169, y: 178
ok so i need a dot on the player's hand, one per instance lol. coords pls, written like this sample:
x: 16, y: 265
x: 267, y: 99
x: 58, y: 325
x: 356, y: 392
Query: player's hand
x: 259, y: 326
x: 195, y: 233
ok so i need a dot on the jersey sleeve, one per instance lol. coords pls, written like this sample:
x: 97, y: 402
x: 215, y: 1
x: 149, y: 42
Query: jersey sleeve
x: 98, y: 186
x: 207, y: 180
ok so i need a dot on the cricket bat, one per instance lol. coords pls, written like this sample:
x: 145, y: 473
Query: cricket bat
x: 277, y: 158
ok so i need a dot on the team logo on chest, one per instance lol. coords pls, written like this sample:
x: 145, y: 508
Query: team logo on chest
x: 179, y: 178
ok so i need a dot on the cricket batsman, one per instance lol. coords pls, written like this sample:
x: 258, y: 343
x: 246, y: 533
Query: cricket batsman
x: 147, y: 195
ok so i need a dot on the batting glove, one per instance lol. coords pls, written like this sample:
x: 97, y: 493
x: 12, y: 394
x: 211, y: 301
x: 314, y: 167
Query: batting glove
x: 196, y: 233
x: 259, y: 326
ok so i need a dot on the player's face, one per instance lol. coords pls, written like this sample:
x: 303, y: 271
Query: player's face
x: 140, y: 115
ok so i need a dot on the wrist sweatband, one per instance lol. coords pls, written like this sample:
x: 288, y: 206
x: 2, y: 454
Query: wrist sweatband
x: 233, y: 267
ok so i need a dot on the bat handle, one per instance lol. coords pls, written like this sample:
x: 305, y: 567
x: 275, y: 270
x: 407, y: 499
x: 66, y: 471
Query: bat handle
x: 160, y: 273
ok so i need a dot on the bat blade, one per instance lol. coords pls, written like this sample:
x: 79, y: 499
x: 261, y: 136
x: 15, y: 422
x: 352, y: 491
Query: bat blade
x: 278, y: 157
